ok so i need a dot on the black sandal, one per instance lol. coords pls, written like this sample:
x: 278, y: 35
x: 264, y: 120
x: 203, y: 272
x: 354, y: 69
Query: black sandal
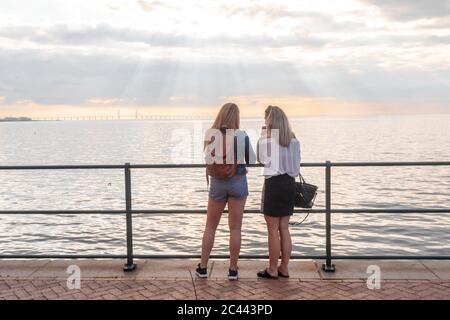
x: 265, y: 274
x: 282, y: 275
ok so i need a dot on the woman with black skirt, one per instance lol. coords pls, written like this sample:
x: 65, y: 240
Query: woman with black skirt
x: 279, y: 151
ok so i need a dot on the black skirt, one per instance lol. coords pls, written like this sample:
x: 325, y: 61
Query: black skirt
x: 278, y: 197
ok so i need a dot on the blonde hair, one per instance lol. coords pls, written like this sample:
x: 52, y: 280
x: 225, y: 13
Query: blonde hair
x: 277, y: 119
x: 228, y: 117
x: 267, y: 112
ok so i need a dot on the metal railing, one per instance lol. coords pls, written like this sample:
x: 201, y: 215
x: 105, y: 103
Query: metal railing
x: 129, y: 211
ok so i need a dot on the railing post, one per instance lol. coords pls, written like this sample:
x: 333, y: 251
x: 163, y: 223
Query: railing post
x: 130, y: 265
x: 328, y: 266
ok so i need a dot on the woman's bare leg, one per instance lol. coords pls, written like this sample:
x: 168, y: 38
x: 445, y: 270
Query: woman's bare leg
x: 215, y: 210
x: 286, y: 245
x: 236, y: 212
x: 273, y: 226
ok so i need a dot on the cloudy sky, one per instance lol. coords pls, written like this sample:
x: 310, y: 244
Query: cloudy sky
x: 318, y: 57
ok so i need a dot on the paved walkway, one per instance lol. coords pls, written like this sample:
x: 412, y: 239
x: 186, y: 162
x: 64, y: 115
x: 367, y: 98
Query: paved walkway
x: 175, y: 279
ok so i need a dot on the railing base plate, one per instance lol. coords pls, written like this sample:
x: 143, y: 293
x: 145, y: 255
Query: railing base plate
x: 129, y: 267
x: 325, y: 268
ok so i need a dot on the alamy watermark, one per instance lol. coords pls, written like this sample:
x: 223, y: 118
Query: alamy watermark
x: 374, y: 280
x: 228, y: 146
x: 74, y: 280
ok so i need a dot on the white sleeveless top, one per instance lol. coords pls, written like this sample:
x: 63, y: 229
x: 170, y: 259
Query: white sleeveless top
x: 287, y: 162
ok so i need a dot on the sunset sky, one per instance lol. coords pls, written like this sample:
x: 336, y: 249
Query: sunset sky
x: 346, y: 57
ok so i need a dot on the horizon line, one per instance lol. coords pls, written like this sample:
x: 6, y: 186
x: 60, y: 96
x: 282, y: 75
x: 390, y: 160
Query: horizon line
x: 171, y: 117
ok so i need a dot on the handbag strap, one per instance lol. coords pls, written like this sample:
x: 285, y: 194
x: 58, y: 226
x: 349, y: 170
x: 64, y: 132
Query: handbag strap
x: 300, y: 177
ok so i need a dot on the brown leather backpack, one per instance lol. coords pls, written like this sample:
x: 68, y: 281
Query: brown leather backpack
x: 222, y: 170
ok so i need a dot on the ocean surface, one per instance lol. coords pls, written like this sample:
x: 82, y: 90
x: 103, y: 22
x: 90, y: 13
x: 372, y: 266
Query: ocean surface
x: 386, y: 138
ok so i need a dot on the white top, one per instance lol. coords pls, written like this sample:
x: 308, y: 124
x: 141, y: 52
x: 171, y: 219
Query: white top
x: 288, y: 160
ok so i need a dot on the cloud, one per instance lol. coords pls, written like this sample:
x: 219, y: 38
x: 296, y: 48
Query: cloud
x: 199, y: 53
x: 85, y: 35
x: 24, y: 102
x: 405, y: 10
x: 395, y: 41
x: 184, y: 99
x: 107, y: 35
x: 103, y: 101
x: 48, y: 78
x: 435, y: 24
x: 149, y: 6
x: 298, y: 17
x: 253, y: 10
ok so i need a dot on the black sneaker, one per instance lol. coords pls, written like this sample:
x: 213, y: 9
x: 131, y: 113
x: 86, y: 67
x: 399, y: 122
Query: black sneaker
x: 232, y: 274
x: 201, y: 272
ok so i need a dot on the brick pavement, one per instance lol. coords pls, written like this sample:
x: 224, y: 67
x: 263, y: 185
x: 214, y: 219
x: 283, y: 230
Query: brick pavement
x: 16, y: 283
x: 112, y: 289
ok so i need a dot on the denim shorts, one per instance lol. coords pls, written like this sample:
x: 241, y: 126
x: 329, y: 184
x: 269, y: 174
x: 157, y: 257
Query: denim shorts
x: 235, y: 187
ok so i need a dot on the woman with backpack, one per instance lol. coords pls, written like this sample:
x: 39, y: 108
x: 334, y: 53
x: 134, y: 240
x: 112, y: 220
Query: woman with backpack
x: 279, y: 151
x: 227, y: 150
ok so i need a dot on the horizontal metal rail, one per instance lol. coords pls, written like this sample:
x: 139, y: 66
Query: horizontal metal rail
x: 197, y: 256
x: 65, y: 167
x: 143, y: 256
x: 129, y: 212
x: 391, y: 164
x: 203, y: 211
x: 186, y: 166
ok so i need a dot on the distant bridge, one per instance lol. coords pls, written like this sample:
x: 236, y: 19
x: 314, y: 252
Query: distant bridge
x: 117, y: 118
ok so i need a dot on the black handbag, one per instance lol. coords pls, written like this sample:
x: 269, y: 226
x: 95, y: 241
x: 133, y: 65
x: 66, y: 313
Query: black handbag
x: 305, y: 194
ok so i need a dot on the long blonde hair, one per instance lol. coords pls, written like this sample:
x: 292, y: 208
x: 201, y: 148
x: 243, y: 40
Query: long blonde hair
x: 277, y: 119
x: 228, y: 117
